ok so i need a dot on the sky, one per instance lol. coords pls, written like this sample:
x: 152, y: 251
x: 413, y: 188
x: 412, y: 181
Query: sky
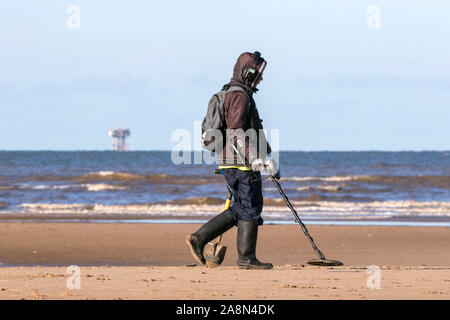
x: 340, y: 76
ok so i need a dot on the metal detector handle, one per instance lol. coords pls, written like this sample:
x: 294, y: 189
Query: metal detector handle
x: 297, y: 218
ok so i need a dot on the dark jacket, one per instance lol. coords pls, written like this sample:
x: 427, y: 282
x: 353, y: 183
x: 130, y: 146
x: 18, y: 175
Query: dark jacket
x: 240, y: 116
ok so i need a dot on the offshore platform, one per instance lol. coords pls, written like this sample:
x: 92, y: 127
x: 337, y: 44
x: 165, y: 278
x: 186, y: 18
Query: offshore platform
x: 119, y: 139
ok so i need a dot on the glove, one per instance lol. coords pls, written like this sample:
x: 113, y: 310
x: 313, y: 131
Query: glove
x: 258, y: 165
x: 272, y: 168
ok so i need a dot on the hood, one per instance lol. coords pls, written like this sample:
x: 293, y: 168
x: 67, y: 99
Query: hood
x: 244, y: 61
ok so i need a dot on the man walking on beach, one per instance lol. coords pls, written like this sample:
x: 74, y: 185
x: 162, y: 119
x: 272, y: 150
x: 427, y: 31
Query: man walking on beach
x: 242, y: 175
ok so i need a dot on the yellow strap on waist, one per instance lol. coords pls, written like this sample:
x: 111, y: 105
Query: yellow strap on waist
x: 242, y: 168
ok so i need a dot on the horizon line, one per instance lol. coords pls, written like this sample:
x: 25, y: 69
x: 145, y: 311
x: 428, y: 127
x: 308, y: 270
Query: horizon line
x: 161, y: 150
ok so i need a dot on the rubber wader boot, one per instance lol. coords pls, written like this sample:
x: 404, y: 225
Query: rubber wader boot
x: 246, y: 244
x: 209, y: 231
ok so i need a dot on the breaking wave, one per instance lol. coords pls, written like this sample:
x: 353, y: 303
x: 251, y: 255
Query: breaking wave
x: 87, y: 187
x: 430, y: 181
x: 309, y: 188
x: 332, y: 178
x: 442, y: 181
x: 273, y: 209
x: 103, y: 187
x: 198, y: 201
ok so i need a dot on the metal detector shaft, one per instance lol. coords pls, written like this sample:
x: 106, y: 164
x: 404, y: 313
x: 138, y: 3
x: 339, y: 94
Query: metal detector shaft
x: 297, y: 218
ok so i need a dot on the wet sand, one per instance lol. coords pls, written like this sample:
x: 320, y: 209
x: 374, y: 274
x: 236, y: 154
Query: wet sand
x: 151, y: 261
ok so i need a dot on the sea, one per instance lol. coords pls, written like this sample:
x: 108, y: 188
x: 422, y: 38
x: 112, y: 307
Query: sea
x: 334, y: 188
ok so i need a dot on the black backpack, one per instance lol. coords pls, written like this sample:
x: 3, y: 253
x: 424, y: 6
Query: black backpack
x: 213, y: 125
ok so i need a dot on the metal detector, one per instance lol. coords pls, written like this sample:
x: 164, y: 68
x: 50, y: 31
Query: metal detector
x: 322, y: 261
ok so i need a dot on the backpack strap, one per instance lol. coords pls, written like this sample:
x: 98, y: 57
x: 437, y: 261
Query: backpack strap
x: 237, y: 88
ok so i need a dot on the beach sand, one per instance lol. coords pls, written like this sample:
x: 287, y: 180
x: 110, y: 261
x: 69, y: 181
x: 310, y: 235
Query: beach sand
x: 151, y: 261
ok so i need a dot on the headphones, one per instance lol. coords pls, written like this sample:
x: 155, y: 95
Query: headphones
x: 252, y: 74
